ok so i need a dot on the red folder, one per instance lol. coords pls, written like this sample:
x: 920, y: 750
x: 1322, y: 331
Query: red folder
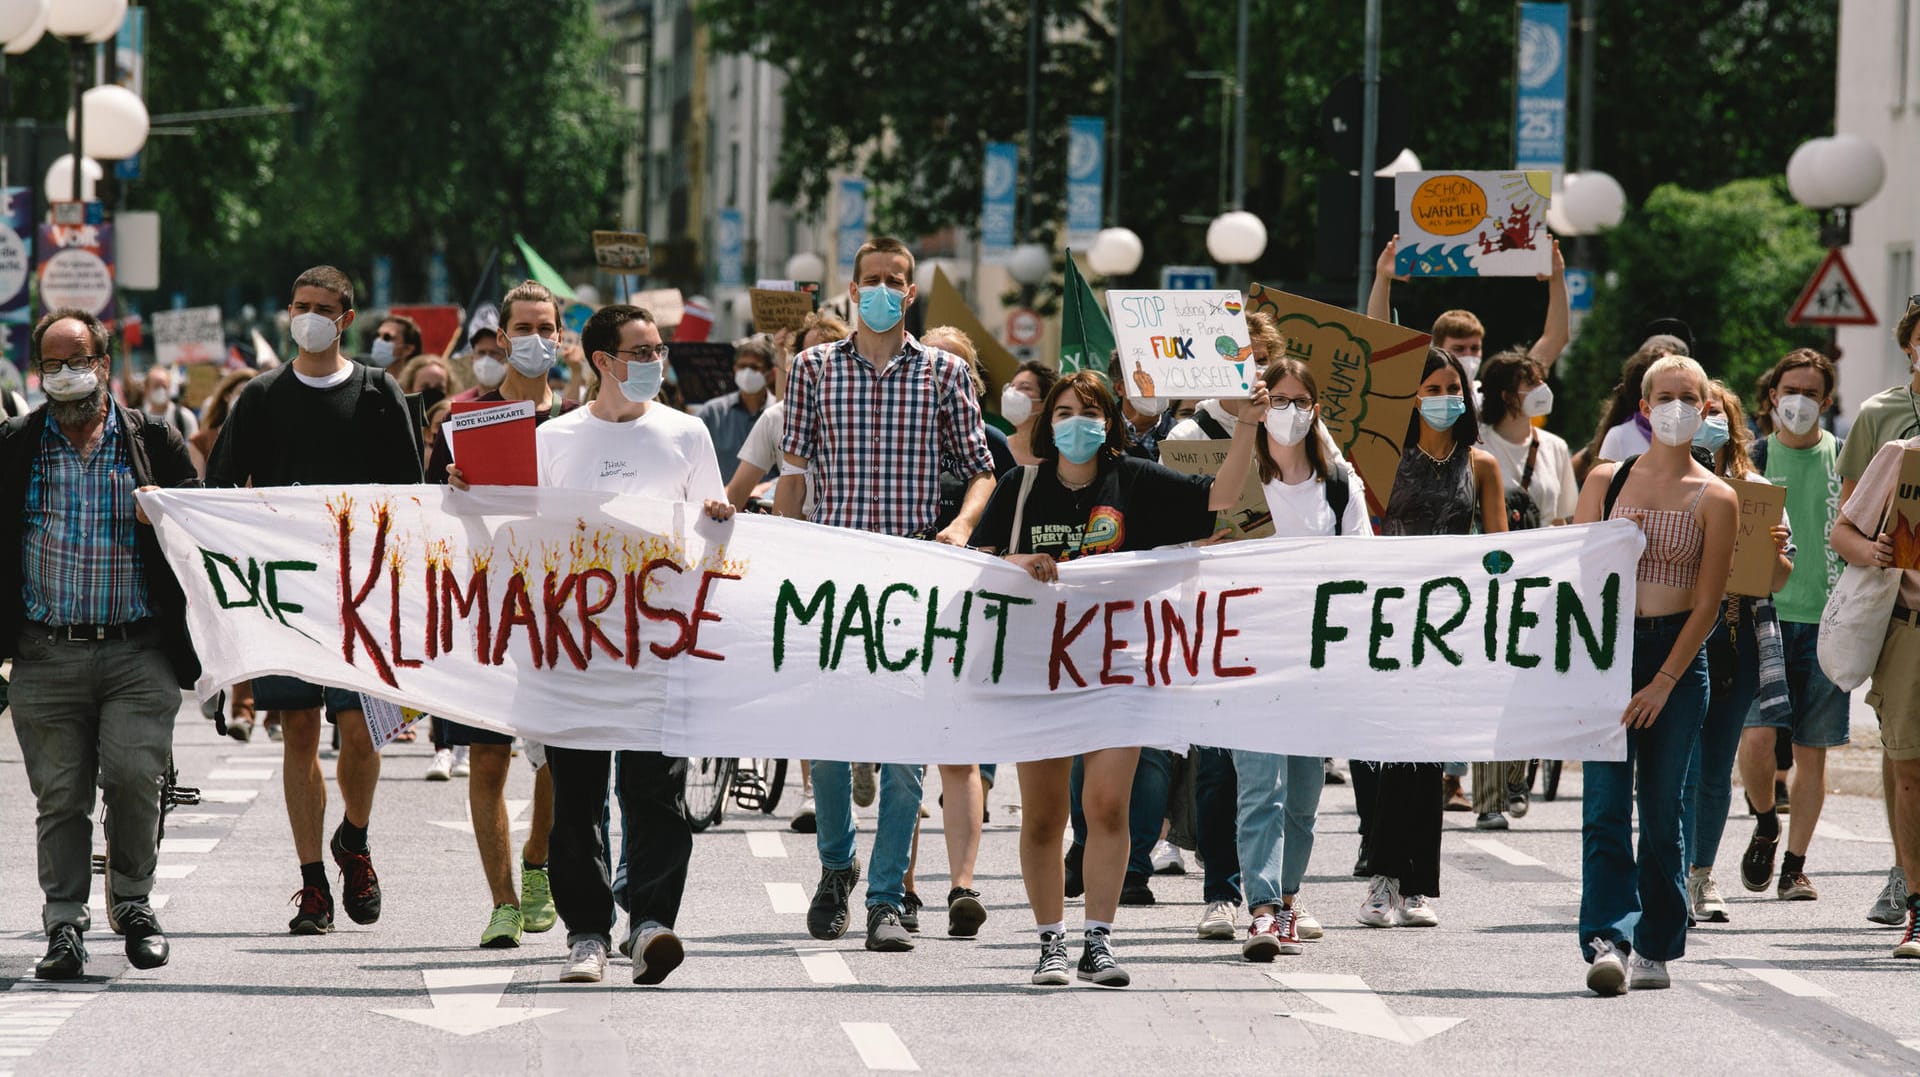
x: 492, y: 442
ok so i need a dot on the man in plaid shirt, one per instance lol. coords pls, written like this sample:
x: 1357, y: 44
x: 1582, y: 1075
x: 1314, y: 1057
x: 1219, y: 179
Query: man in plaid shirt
x: 873, y: 417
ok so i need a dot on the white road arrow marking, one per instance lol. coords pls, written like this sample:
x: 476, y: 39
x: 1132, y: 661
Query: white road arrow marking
x: 465, y: 826
x: 466, y: 1001
x: 1500, y: 850
x: 1792, y: 983
x: 1357, y: 1009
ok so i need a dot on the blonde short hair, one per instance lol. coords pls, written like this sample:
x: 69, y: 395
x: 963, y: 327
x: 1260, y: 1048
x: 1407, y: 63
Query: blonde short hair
x: 1673, y: 364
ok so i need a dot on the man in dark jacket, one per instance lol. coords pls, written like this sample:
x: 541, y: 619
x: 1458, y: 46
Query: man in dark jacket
x: 95, y: 624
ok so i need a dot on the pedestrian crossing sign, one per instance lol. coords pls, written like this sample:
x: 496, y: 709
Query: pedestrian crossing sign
x: 1832, y: 297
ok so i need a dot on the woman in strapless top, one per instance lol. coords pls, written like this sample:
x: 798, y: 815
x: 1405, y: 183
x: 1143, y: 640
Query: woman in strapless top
x: 1633, y: 908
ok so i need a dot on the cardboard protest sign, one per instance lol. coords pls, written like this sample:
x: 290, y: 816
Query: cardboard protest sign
x: 193, y: 335
x: 704, y: 368
x: 946, y: 306
x: 1754, y: 553
x: 627, y: 252
x: 1250, y: 518
x: 777, y: 310
x: 1903, y: 519
x: 201, y: 380
x: 665, y: 304
x: 1473, y: 224
x: 1189, y: 344
x: 1369, y: 372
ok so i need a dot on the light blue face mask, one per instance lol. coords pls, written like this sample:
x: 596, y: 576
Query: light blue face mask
x: 1441, y: 412
x: 1079, y: 437
x: 881, y: 307
x: 1712, y: 433
x: 642, y: 382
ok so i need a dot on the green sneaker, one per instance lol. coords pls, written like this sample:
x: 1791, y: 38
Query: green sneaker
x: 503, y: 929
x: 536, y: 900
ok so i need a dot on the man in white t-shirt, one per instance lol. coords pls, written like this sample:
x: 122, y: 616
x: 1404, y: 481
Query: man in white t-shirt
x: 623, y: 442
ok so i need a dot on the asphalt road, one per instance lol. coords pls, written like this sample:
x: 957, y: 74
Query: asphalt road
x: 1497, y: 987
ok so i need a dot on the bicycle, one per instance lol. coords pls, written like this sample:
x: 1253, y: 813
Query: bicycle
x: 711, y: 781
x: 172, y: 795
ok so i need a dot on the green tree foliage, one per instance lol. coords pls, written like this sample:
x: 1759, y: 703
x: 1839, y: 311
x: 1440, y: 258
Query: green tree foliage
x: 1729, y: 262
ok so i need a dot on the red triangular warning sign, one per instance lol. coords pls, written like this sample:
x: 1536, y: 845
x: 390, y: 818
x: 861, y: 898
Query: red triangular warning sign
x: 1832, y: 297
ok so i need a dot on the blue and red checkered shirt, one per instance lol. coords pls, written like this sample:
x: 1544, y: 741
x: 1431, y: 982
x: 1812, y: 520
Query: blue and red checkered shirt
x: 875, y: 441
x: 79, y: 550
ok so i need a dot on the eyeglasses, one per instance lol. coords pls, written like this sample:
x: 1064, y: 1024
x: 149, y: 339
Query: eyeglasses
x: 1282, y: 403
x: 646, y: 353
x: 50, y: 367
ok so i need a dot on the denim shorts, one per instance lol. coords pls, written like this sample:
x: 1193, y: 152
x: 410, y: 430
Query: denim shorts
x: 294, y: 694
x: 1820, y: 709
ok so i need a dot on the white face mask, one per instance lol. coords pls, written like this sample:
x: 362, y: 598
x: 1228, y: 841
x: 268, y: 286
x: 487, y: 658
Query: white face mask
x: 1675, y: 421
x: 69, y: 384
x: 1797, y: 413
x: 314, y: 333
x: 1152, y: 406
x: 1289, y: 425
x: 158, y: 399
x: 382, y: 352
x: 1538, y: 401
x: 1470, y: 364
x: 749, y: 380
x: 489, y: 371
x: 533, y: 354
x: 1016, y: 407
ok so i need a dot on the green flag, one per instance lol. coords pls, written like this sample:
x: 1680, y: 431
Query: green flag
x: 1086, y: 340
x: 541, y: 271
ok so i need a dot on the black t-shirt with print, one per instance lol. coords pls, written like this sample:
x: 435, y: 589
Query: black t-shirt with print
x: 1132, y: 504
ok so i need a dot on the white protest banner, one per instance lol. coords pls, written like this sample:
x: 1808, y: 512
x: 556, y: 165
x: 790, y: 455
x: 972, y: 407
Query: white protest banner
x: 599, y: 621
x: 1473, y: 224
x: 192, y: 335
x: 1183, y: 344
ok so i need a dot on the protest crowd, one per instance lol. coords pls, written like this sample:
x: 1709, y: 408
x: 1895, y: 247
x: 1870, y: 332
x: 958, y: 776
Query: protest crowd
x: 856, y: 423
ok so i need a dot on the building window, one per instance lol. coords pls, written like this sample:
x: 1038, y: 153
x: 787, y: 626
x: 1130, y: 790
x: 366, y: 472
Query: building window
x: 1899, y: 287
x: 1902, y: 33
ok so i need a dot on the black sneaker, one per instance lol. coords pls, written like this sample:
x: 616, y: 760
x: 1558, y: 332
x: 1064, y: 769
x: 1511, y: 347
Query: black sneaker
x: 1135, y: 891
x: 884, y: 933
x: 1362, y: 867
x: 359, y: 881
x: 1756, y: 867
x: 316, y: 912
x: 66, y: 955
x: 965, y: 912
x: 910, y: 907
x: 1055, y: 968
x: 1076, y: 882
x: 827, y: 916
x: 1097, y: 965
x: 146, y: 946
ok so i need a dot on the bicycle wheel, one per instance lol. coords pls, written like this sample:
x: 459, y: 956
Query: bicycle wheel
x: 704, y: 799
x: 773, y: 773
x: 1550, y: 779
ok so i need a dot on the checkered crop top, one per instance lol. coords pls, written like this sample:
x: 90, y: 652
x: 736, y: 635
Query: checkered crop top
x: 1675, y: 541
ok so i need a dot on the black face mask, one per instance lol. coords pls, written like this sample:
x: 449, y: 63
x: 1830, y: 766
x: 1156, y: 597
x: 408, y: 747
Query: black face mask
x: 430, y: 397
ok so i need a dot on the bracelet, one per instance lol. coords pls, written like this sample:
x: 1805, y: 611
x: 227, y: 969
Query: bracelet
x: 1669, y: 676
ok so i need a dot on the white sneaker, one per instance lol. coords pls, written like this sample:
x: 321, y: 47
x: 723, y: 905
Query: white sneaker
x: 1304, y: 923
x: 1383, y: 900
x: 1648, y: 975
x: 1219, y: 921
x: 442, y: 766
x: 656, y: 951
x: 586, y: 963
x: 1607, y: 975
x: 1704, y: 896
x: 461, y: 768
x: 1167, y: 859
x: 1416, y: 911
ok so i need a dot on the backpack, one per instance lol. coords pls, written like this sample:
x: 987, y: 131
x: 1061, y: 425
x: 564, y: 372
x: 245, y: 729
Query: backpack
x: 1338, y: 493
x: 1613, y: 488
x: 1210, y: 424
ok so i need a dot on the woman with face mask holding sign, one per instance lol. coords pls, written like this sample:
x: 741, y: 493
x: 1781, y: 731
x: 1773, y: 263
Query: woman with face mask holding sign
x: 1087, y: 497
x: 1633, y: 908
x: 1444, y: 486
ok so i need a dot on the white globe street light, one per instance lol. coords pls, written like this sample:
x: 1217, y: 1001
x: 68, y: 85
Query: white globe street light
x: 1592, y: 202
x: 806, y: 266
x: 19, y: 16
x: 110, y: 28
x: 116, y: 122
x: 1116, y: 252
x: 29, y: 37
x: 1835, y: 176
x: 59, y: 184
x: 81, y: 19
x: 1236, y: 238
x: 1030, y: 263
x: 1408, y: 161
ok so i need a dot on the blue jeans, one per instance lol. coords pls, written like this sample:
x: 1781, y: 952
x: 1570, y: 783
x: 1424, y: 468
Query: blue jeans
x: 1640, y: 904
x: 1146, y: 807
x: 1820, y: 718
x: 1279, y: 796
x: 1213, y: 823
x: 1708, y: 791
x: 900, y: 790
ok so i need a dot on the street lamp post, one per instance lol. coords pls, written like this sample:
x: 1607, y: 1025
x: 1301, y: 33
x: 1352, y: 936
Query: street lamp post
x: 82, y: 23
x: 1835, y: 176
